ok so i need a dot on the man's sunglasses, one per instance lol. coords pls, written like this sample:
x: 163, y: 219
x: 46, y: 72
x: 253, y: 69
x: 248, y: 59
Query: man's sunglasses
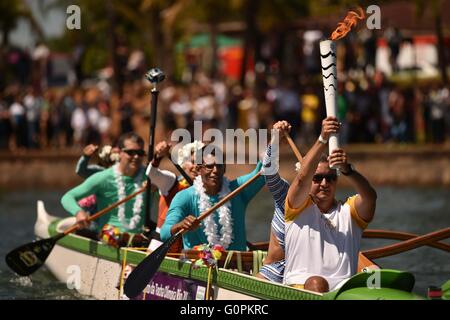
x: 134, y: 152
x: 210, y: 167
x: 329, y: 177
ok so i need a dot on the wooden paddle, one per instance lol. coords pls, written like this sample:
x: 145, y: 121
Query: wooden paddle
x: 29, y: 257
x: 182, y: 172
x: 408, y: 244
x: 397, y: 235
x: 144, y: 271
x: 293, y: 147
x: 375, y: 234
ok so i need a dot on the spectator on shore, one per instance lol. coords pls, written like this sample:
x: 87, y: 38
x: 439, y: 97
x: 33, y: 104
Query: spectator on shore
x: 309, y: 115
x: 5, y: 125
x: 248, y: 116
x: 287, y: 105
x: 67, y: 108
x: 33, y: 106
x: 181, y: 109
x: 233, y: 103
x: 370, y: 49
x: 394, y: 38
x: 397, y: 109
x: 342, y: 110
x: 55, y: 133
x: 93, y: 119
x: 383, y: 88
x: 19, y: 122
x: 126, y: 113
x: 79, y: 123
x: 439, y: 103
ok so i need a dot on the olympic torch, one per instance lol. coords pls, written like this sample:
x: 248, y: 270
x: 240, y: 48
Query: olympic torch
x: 329, y: 77
x: 329, y: 73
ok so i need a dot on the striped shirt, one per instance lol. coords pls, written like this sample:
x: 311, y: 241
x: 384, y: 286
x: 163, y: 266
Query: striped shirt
x: 279, y: 188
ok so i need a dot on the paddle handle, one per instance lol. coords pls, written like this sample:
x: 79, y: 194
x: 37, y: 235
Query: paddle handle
x: 293, y: 147
x: 408, y: 244
x: 228, y: 197
x: 105, y: 210
x: 182, y: 172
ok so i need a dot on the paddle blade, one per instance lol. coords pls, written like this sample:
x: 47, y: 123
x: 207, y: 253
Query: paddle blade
x: 144, y: 272
x: 26, y: 259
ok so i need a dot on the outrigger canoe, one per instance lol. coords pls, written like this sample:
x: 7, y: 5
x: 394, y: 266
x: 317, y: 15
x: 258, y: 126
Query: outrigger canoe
x: 98, y: 270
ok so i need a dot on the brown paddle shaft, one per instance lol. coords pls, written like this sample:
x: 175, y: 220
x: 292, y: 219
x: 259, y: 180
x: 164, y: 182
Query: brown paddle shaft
x: 182, y: 172
x: 105, y: 210
x: 375, y: 234
x: 28, y: 258
x: 293, y: 147
x: 408, y: 244
x: 225, y: 199
x: 397, y: 235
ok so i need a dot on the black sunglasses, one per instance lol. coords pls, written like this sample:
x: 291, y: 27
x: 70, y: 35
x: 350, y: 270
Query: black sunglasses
x: 210, y: 167
x: 133, y: 152
x: 328, y: 177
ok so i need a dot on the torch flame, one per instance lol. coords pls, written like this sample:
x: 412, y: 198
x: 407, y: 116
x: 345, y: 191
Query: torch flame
x: 350, y: 21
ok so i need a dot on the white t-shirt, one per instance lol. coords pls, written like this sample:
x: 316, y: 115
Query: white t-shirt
x: 17, y: 109
x: 79, y: 121
x: 325, y: 245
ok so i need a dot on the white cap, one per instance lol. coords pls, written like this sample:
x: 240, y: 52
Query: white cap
x: 185, y: 152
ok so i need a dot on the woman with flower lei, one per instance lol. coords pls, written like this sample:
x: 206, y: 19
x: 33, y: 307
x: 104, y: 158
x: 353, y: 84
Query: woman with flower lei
x: 226, y: 226
x: 111, y: 185
x: 167, y: 182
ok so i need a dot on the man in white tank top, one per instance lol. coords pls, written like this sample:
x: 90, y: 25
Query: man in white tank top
x: 323, y: 235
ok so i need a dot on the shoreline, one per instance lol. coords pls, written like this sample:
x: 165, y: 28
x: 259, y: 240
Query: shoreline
x: 383, y: 165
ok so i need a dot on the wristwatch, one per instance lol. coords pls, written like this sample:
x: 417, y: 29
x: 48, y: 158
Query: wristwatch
x: 322, y: 140
x: 155, y: 162
x: 351, y: 169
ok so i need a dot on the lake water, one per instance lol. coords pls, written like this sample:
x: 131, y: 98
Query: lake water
x: 415, y: 210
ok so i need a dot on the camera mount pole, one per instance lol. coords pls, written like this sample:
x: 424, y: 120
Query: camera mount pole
x: 154, y: 76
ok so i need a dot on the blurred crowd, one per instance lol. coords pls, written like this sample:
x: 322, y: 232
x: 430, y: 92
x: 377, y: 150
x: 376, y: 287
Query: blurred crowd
x: 373, y: 110
x: 36, y: 115
x: 52, y: 119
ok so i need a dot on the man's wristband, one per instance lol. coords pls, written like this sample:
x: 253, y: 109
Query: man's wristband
x: 350, y: 171
x: 322, y: 140
x: 155, y: 162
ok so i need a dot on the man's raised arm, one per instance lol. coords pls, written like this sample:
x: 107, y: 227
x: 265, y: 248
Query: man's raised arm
x: 299, y: 191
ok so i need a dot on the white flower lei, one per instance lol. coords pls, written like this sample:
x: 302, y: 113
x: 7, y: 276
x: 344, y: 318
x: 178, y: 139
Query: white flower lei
x: 225, y: 219
x: 137, y: 206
